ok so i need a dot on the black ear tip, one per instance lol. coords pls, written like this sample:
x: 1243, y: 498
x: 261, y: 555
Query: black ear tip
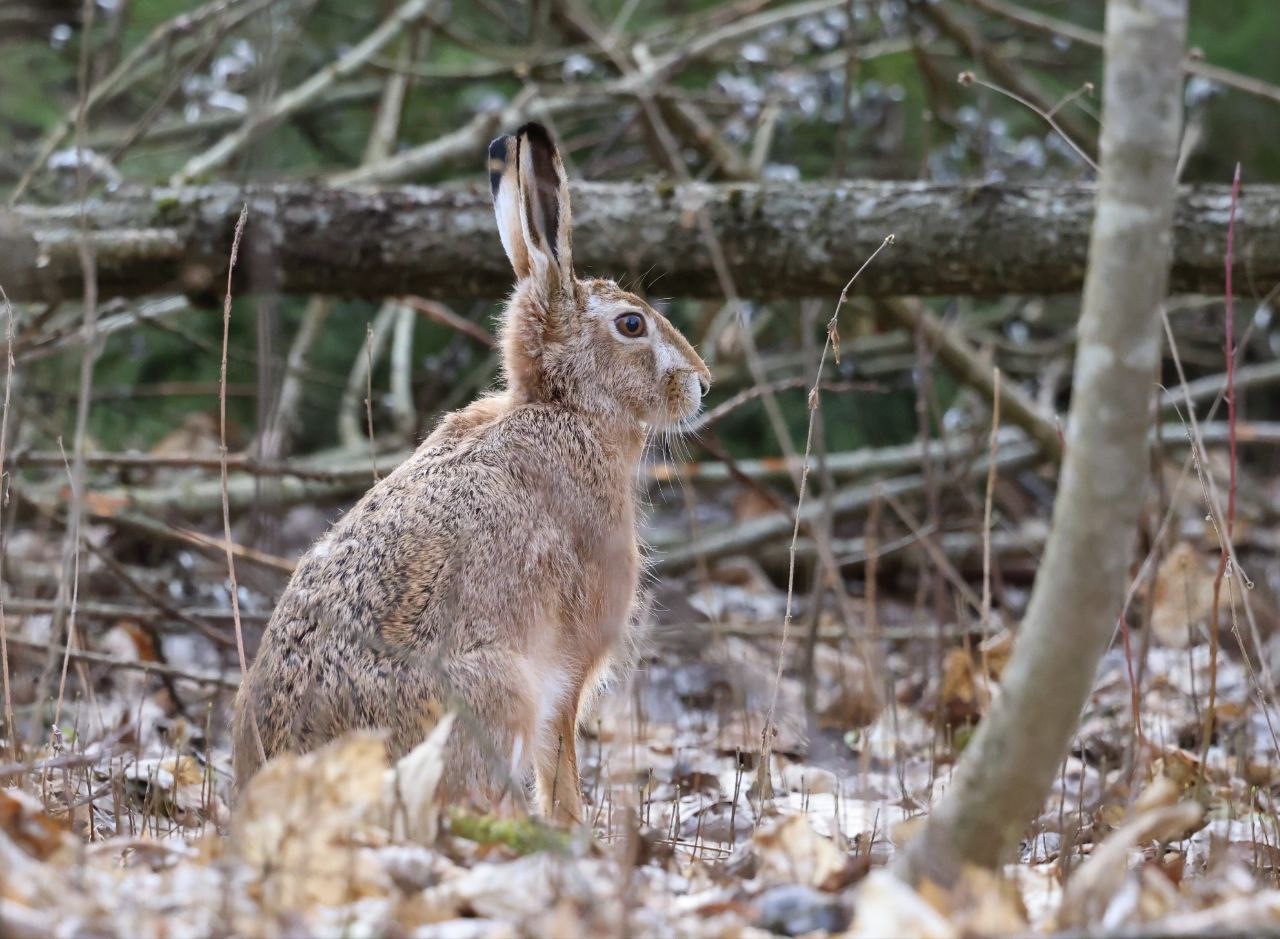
x: 536, y: 133
x: 498, y: 156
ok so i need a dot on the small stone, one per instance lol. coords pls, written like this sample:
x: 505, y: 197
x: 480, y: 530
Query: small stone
x: 794, y: 910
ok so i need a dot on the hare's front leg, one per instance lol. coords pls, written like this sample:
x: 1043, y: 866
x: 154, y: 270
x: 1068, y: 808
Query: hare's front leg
x: 559, y: 788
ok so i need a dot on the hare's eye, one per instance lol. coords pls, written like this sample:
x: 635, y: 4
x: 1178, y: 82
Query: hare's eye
x: 631, y: 325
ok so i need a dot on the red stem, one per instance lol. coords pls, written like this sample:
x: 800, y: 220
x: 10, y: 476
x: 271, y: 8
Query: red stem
x: 1231, y: 354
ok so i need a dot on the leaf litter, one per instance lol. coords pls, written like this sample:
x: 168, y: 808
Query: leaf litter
x: 123, y: 823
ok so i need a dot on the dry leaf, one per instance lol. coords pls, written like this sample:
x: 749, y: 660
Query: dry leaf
x: 1183, y: 596
x: 1248, y: 915
x: 1096, y: 882
x: 791, y: 852
x: 172, y: 787
x: 963, y: 695
x: 299, y: 820
x: 1161, y: 792
x: 980, y: 903
x: 409, y: 792
x: 104, y: 504
x: 885, y: 906
x: 848, y: 691
x: 24, y: 821
x: 538, y: 893
x: 1179, y: 766
x: 995, y: 652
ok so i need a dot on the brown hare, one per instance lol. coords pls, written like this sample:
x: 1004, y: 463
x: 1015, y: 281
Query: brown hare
x: 495, y: 572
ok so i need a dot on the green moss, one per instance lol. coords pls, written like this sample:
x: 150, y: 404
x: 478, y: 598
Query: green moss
x: 521, y: 835
x: 168, y: 209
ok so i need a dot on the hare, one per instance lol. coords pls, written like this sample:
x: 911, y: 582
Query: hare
x: 495, y: 572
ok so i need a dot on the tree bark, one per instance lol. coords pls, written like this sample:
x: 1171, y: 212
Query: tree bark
x: 1006, y: 771
x: 799, y: 240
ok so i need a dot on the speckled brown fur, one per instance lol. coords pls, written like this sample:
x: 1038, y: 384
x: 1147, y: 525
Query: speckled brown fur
x: 494, y: 573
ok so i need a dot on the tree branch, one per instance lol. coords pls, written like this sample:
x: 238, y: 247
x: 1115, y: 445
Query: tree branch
x: 795, y: 240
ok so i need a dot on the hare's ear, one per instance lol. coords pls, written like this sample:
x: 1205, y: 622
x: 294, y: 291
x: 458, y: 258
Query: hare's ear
x: 504, y: 171
x: 544, y: 209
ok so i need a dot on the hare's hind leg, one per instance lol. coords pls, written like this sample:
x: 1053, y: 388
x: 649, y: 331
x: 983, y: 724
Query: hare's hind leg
x: 248, y: 751
x: 490, y: 745
x: 559, y: 787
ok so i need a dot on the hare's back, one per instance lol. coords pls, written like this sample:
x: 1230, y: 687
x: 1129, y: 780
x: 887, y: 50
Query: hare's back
x: 467, y: 535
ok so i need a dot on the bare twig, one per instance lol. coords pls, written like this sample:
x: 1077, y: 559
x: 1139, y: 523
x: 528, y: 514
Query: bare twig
x: 125, y: 75
x: 466, y: 140
x: 386, y: 122
x: 439, y: 313
x: 1192, y: 65
x: 1201, y: 389
x: 222, y: 440
x: 154, y: 668
x: 71, y: 621
x: 1230, y: 521
x: 238, y: 463
x: 1262, y: 678
x: 986, y: 513
x: 955, y: 353
x: 350, y: 432
x: 150, y: 614
x: 284, y: 421
x: 102, y: 751
x: 968, y: 78
x: 213, y: 547
x: 403, y: 413
x: 10, y: 726
x: 923, y: 535
x: 301, y: 95
x: 754, y: 392
x: 368, y: 393
x: 832, y: 342
x: 76, y: 473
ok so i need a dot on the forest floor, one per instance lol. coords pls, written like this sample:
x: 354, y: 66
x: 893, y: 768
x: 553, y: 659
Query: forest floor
x: 120, y: 823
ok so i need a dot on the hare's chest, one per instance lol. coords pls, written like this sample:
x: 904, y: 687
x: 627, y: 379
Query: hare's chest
x: 615, y: 574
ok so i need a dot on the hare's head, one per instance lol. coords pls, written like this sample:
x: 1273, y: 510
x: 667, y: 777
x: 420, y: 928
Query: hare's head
x: 585, y: 344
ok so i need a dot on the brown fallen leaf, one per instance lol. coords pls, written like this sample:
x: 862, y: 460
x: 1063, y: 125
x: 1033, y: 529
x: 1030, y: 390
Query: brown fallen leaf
x: 24, y: 820
x: 962, y: 696
x: 791, y: 852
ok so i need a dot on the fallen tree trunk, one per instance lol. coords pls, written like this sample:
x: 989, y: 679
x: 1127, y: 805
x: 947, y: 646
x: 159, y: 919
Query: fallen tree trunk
x: 797, y: 240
